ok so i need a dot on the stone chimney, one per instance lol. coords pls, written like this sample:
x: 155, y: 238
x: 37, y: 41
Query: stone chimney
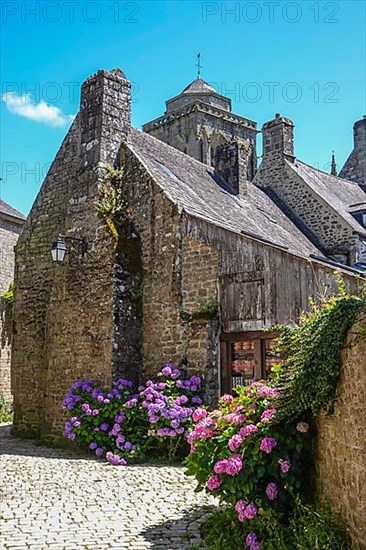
x: 233, y: 161
x: 278, y: 137
x: 105, y: 116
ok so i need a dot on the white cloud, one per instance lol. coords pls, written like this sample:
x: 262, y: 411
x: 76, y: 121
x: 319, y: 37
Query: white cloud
x: 23, y: 105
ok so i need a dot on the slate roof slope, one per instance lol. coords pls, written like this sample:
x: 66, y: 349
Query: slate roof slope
x: 200, y: 192
x: 199, y: 86
x: 8, y: 210
x: 339, y: 193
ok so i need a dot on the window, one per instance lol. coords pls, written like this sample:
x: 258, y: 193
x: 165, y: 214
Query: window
x: 246, y: 357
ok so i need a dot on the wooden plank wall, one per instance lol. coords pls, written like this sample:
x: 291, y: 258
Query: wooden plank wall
x: 259, y: 285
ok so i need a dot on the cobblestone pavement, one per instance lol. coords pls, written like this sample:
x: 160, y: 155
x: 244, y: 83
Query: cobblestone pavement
x: 53, y: 499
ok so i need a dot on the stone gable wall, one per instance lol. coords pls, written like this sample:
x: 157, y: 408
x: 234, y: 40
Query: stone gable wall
x: 341, y: 441
x: 179, y: 279
x: 65, y: 315
x: 9, y: 233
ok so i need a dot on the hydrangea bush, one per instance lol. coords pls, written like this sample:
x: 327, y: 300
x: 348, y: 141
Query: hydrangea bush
x: 241, y: 455
x: 124, y: 424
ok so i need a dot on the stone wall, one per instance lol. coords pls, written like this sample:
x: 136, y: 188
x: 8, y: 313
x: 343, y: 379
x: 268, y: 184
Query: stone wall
x: 65, y: 314
x: 341, y: 442
x: 179, y: 277
x: 9, y: 233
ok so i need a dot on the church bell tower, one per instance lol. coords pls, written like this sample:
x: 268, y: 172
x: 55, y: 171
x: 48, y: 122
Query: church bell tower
x: 199, y: 120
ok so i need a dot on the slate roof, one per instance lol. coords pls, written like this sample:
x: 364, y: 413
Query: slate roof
x: 8, y: 210
x: 198, y: 86
x: 202, y: 193
x: 341, y: 195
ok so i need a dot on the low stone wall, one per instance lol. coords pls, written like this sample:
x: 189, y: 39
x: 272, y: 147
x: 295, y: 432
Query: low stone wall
x: 341, y: 443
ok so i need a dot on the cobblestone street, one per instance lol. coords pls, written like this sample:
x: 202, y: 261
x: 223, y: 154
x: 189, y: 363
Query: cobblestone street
x: 53, y: 499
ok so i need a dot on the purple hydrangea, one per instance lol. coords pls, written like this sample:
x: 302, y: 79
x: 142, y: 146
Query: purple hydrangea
x: 252, y: 542
x: 272, y: 491
x: 285, y: 465
x: 267, y: 444
x: 115, y: 459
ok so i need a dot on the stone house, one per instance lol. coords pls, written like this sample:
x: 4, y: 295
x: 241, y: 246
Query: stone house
x: 195, y: 265
x: 329, y: 210
x: 11, y: 223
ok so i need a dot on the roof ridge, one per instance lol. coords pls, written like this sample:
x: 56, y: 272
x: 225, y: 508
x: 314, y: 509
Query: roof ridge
x: 172, y: 149
x: 327, y: 173
x: 8, y: 210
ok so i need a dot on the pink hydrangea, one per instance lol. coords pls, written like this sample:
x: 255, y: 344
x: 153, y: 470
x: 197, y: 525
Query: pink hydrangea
x: 227, y: 398
x: 262, y: 390
x: 250, y: 511
x: 285, y: 465
x: 199, y: 414
x: 204, y: 429
x: 302, y: 427
x: 240, y: 506
x: 230, y: 466
x: 267, y: 415
x: 268, y: 444
x: 214, y: 482
x: 235, y: 418
x: 266, y: 391
x: 234, y: 465
x: 235, y: 442
x: 220, y: 466
x: 247, y: 430
x: 245, y: 510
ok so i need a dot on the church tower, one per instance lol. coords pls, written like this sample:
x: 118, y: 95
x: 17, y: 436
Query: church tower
x: 199, y: 120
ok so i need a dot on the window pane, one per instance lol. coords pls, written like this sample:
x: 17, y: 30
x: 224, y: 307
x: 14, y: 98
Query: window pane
x: 242, y: 363
x: 271, y: 357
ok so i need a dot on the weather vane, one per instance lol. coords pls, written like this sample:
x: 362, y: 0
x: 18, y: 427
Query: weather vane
x: 198, y: 65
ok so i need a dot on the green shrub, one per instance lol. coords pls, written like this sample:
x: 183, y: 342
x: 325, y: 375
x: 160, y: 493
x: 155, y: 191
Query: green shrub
x: 242, y: 455
x: 309, y: 377
x: 125, y: 424
x: 308, y: 528
x: 6, y: 411
x: 7, y: 300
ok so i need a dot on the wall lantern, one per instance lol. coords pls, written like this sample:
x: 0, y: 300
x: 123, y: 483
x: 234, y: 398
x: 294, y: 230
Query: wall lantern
x: 59, y: 247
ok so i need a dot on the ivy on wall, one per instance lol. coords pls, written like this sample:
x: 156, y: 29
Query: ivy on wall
x: 311, y: 371
x: 7, y: 300
x: 112, y: 204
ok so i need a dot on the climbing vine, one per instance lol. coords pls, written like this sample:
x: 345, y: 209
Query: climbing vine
x: 7, y: 300
x: 311, y: 370
x: 112, y: 204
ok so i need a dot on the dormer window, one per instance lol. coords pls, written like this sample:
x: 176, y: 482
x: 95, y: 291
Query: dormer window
x: 360, y: 217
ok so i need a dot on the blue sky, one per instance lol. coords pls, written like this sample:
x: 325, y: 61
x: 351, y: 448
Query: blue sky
x: 304, y: 59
